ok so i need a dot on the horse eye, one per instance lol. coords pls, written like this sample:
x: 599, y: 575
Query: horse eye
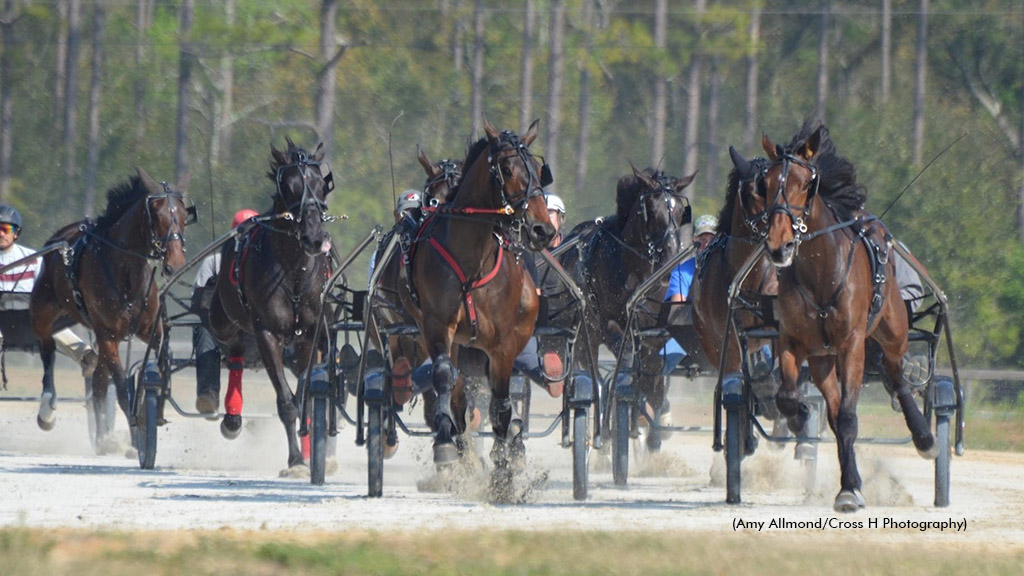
x: 506, y: 171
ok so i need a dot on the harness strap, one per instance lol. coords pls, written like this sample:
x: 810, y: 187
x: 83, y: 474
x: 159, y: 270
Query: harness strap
x: 467, y: 286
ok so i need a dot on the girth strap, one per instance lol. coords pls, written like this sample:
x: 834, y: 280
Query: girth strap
x: 468, y: 286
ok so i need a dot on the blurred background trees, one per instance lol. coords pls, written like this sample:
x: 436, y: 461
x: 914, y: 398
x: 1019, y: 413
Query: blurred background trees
x: 197, y: 90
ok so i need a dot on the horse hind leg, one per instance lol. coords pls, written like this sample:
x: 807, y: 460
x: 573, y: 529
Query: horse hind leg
x: 920, y: 431
x: 47, y: 415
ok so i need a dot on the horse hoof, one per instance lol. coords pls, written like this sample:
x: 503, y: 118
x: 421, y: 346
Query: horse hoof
x: 931, y: 453
x: 849, y: 501
x: 43, y: 424
x: 805, y: 451
x: 131, y: 453
x: 389, y: 450
x: 231, y: 426
x: 331, y: 466
x: 446, y: 454
x: 47, y: 416
x: 295, y: 471
x: 665, y: 421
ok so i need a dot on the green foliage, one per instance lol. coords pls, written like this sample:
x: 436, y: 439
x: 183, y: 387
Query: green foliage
x: 958, y: 217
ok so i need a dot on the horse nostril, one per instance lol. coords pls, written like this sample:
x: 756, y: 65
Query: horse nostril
x: 540, y: 231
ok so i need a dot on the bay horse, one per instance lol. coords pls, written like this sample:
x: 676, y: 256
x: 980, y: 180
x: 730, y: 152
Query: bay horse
x: 621, y: 252
x: 834, y: 262
x: 108, y: 283
x: 269, y: 285
x: 468, y: 287
x: 737, y: 237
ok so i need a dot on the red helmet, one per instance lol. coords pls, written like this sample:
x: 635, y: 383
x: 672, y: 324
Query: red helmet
x: 242, y: 216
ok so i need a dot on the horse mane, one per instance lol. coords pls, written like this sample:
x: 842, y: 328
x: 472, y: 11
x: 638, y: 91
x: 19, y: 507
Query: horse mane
x: 627, y: 190
x: 119, y: 199
x: 837, y: 177
x: 475, y: 150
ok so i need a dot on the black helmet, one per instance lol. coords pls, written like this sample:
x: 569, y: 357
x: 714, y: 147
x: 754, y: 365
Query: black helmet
x: 9, y: 215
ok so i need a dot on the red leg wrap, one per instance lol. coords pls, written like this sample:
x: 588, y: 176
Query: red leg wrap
x: 233, y: 398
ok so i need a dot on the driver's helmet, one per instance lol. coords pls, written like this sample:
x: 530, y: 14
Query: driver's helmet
x: 242, y: 216
x: 10, y: 215
x: 555, y: 203
x: 409, y: 200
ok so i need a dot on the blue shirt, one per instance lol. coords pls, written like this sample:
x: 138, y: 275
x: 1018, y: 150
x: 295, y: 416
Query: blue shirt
x: 681, y: 278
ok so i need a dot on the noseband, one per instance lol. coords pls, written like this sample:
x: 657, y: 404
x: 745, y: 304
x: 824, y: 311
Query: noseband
x: 514, y: 203
x: 782, y: 204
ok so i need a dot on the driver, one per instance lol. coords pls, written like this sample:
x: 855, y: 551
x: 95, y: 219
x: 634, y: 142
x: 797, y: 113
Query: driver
x: 16, y: 286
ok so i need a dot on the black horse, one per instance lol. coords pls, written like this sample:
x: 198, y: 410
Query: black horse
x: 621, y: 252
x: 270, y: 282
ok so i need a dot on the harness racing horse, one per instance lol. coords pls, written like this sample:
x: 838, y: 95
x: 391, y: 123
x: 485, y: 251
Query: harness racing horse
x: 621, y: 253
x: 834, y: 261
x: 468, y: 287
x: 737, y: 237
x: 108, y: 283
x: 269, y: 285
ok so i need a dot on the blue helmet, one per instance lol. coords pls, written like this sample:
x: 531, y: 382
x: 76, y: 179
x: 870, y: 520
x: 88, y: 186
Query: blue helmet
x: 9, y: 215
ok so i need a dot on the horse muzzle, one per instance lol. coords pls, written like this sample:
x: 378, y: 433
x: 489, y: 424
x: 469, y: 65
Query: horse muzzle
x: 538, y: 235
x: 782, y: 256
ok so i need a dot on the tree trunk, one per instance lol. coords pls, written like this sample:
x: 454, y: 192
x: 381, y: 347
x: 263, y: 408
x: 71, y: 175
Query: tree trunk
x: 71, y: 90
x: 819, y: 109
x: 711, y: 164
x: 6, y: 101
x: 1020, y: 152
x: 583, y: 141
x: 919, y: 82
x: 326, y: 87
x: 95, y: 89
x: 660, y: 114
x: 526, y: 68
x: 181, y: 169
x: 750, y: 111
x: 143, y: 20
x: 693, y: 101
x: 478, y: 69
x: 220, y: 137
x: 60, y: 76
x: 556, y: 69
x: 886, y: 48
x: 456, y: 39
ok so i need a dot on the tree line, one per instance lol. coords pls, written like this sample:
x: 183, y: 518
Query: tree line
x: 195, y: 91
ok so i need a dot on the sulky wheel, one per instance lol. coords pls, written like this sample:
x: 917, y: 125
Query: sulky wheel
x: 942, y: 461
x: 579, y: 454
x: 620, y: 449
x: 733, y: 454
x: 375, y: 448
x: 318, y: 443
x: 145, y: 427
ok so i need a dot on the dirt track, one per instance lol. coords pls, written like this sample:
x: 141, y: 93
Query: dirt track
x: 203, y: 481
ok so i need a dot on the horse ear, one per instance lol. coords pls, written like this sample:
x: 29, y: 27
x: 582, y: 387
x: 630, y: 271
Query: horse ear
x: 531, y: 132
x: 769, y: 148
x: 490, y: 130
x: 643, y: 177
x: 813, y: 144
x: 146, y: 179
x: 291, y: 145
x: 742, y: 164
x: 685, y: 181
x: 318, y: 154
x: 278, y: 156
x: 428, y: 167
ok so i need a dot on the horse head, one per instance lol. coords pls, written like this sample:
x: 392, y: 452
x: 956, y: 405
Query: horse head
x: 167, y: 214
x: 517, y: 183
x: 303, y: 182
x: 653, y: 212
x: 744, y: 213
x: 790, y: 187
x: 443, y: 179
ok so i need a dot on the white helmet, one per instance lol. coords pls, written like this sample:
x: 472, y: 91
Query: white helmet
x: 409, y: 200
x: 555, y: 203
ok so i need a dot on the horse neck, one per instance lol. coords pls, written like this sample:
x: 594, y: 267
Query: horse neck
x: 471, y: 240
x: 132, y: 233
x: 741, y: 244
x: 825, y: 271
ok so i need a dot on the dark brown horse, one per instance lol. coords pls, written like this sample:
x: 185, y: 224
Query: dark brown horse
x: 270, y: 285
x: 833, y: 294
x: 109, y: 282
x: 623, y: 251
x: 737, y: 237
x: 469, y: 288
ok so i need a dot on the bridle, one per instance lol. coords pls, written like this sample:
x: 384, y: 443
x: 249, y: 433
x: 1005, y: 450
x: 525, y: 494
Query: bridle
x: 308, y: 201
x: 450, y: 175
x: 782, y: 203
x: 158, y: 246
x: 514, y: 204
x: 655, y: 246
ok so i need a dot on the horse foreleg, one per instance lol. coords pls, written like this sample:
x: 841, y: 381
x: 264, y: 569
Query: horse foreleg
x: 444, y: 377
x: 47, y: 416
x: 507, y: 423
x: 843, y: 419
x: 272, y: 351
x: 788, y: 399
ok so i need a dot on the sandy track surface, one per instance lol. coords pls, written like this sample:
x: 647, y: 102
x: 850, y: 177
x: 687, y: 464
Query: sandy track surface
x: 202, y: 481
